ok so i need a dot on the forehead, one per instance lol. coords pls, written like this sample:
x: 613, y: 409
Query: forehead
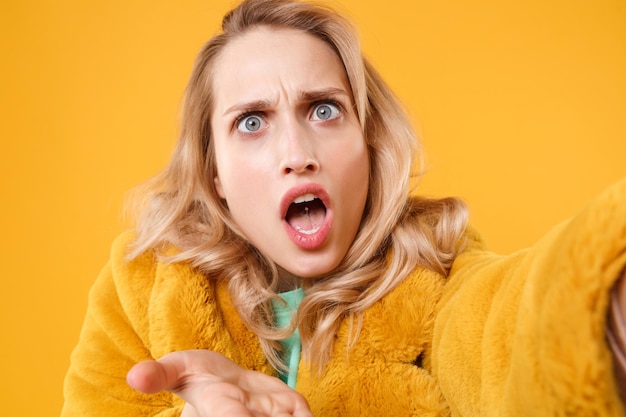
x: 267, y: 61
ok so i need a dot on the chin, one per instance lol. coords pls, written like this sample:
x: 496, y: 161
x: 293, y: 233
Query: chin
x: 315, y: 268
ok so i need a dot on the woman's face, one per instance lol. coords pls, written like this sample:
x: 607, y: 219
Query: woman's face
x: 292, y: 162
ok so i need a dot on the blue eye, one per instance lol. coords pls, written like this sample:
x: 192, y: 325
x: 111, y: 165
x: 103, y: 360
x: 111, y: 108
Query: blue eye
x: 250, y: 124
x: 325, y: 111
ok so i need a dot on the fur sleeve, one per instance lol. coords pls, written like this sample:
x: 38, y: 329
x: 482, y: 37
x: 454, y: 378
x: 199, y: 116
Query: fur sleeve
x: 115, y: 337
x: 524, y: 334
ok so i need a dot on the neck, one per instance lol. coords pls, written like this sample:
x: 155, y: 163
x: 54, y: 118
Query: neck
x: 287, y: 281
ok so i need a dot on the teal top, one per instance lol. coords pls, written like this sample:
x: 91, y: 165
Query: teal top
x: 283, y: 314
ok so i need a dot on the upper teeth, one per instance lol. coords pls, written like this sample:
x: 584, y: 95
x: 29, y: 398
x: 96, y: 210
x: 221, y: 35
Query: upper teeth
x: 304, y: 198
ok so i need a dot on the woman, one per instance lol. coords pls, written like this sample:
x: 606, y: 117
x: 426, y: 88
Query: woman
x: 290, y: 182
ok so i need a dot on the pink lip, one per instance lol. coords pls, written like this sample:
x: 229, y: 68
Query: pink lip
x: 315, y: 240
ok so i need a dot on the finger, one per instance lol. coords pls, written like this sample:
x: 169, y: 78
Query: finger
x: 150, y: 377
x: 302, y: 409
x: 168, y: 373
x: 218, y: 399
x: 278, y: 403
x: 225, y: 407
x: 215, y: 386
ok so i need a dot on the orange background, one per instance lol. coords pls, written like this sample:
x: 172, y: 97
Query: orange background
x: 521, y: 106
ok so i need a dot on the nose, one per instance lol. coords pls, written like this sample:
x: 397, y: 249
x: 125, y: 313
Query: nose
x: 298, y: 150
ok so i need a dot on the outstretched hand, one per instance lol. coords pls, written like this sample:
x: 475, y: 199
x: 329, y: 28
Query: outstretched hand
x: 213, y: 385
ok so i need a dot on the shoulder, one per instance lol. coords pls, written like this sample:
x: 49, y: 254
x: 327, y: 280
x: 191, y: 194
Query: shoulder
x: 142, y: 273
x: 135, y: 275
x: 400, y: 324
x: 170, y: 305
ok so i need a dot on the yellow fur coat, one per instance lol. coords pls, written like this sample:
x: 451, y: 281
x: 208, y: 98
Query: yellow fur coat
x: 517, y: 335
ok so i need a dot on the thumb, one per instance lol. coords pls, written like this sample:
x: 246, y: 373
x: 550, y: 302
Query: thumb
x: 172, y: 371
x: 177, y: 373
x: 152, y: 376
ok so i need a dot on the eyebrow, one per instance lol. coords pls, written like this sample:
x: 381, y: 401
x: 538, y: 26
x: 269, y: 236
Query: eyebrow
x: 251, y: 106
x: 307, y: 96
x: 322, y: 94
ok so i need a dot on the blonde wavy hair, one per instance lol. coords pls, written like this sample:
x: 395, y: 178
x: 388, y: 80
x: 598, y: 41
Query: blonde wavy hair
x: 180, y: 206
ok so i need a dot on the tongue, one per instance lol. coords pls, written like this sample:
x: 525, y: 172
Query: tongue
x: 306, y: 217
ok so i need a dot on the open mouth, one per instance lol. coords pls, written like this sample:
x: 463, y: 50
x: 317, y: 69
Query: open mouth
x: 306, y: 214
